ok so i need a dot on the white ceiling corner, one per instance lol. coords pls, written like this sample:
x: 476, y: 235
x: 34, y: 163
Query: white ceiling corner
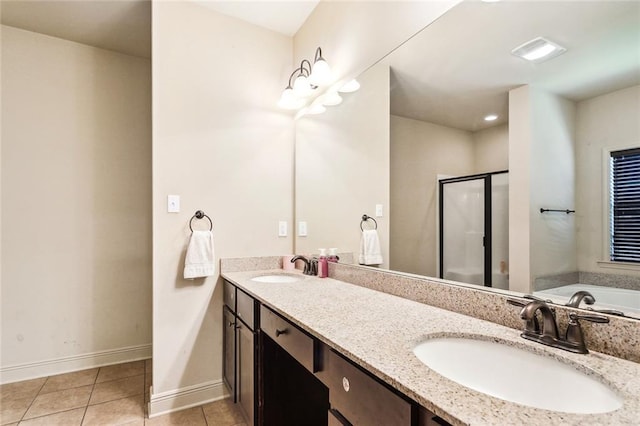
x: 285, y: 17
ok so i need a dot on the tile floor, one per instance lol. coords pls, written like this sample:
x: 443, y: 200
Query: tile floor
x: 112, y: 395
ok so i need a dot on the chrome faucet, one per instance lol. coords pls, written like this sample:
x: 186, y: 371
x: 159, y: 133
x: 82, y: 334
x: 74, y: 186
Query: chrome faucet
x: 578, y: 297
x: 310, y: 265
x: 547, y: 334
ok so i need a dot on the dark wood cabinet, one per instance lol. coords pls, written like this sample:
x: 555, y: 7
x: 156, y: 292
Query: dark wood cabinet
x: 240, y: 348
x: 280, y: 375
x: 229, y: 349
x: 360, y: 398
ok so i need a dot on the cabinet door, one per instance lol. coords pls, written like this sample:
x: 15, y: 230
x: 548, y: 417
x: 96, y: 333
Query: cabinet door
x: 229, y: 349
x: 244, y: 363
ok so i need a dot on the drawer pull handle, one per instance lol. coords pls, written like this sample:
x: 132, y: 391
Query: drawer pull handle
x: 230, y: 323
x: 345, y: 384
x: 279, y: 332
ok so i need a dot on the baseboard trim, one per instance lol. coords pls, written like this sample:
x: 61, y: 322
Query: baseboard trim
x: 33, y: 370
x: 187, y: 397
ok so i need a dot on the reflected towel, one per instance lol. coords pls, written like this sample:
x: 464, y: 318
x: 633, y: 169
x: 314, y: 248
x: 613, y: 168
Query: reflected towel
x: 370, y: 248
x: 200, y: 260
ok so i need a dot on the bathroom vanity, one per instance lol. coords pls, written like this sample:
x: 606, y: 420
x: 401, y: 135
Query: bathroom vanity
x: 329, y: 352
x: 280, y: 374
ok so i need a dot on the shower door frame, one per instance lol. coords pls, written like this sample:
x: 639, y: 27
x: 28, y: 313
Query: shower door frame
x: 486, y: 239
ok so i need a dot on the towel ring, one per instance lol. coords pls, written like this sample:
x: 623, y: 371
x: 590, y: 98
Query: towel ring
x: 199, y: 215
x: 366, y: 218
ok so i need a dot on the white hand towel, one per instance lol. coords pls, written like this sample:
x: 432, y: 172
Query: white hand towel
x: 370, y: 253
x: 200, y: 260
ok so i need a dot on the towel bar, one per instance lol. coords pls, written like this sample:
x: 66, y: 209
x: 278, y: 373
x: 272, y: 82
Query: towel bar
x: 567, y: 211
x: 199, y: 215
x: 366, y: 218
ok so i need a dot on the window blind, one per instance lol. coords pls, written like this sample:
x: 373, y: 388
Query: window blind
x: 625, y: 205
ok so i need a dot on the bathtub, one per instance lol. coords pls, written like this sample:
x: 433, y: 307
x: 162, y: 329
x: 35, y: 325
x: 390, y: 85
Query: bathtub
x: 620, y: 299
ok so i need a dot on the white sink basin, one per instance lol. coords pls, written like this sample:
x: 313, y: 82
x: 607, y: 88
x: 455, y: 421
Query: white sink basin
x: 277, y: 278
x: 517, y: 375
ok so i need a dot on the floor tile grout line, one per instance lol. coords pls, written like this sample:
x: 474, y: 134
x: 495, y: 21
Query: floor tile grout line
x: 93, y: 387
x: 206, y: 422
x: 33, y: 400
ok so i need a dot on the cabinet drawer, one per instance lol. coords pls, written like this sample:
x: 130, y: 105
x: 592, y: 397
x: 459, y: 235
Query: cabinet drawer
x: 245, y: 309
x: 288, y: 336
x: 360, y: 398
x: 230, y: 295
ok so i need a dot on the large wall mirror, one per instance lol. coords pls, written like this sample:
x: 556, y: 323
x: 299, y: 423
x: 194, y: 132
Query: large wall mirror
x: 459, y: 197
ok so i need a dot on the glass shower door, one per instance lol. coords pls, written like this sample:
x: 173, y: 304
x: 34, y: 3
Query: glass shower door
x: 462, y: 221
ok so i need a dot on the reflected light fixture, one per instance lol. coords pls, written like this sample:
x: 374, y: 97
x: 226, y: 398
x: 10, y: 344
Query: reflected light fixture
x: 308, y: 78
x: 330, y: 99
x: 491, y: 117
x: 538, y: 50
x: 349, y: 87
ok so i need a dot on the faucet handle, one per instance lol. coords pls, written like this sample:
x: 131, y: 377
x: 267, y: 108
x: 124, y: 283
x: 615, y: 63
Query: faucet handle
x: 574, y: 335
x: 607, y: 311
x: 588, y: 317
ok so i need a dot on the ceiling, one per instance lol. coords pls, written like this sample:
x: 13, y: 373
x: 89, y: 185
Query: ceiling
x: 125, y: 25
x: 460, y: 68
x: 285, y: 17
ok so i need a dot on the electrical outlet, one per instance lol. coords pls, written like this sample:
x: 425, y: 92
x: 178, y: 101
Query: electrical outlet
x: 302, y: 229
x: 378, y: 210
x: 282, y: 228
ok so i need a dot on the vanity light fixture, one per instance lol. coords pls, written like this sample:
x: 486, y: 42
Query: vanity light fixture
x: 491, y: 117
x: 330, y: 99
x: 308, y: 78
x: 538, y: 50
x: 349, y: 87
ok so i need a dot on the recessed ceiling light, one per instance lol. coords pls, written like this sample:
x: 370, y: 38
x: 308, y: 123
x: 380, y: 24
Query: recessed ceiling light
x: 491, y: 117
x: 538, y: 50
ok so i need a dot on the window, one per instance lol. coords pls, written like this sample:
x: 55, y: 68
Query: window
x: 625, y: 205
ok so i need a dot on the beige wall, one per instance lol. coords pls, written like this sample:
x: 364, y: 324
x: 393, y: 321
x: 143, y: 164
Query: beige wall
x: 220, y: 142
x: 76, y: 205
x: 542, y: 155
x: 354, y: 35
x: 491, y: 149
x: 342, y: 168
x: 520, y: 141
x: 553, y: 235
x: 421, y: 151
x: 609, y: 121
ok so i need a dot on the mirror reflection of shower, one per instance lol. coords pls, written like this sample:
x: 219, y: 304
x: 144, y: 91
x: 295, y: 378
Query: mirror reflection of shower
x: 474, y: 229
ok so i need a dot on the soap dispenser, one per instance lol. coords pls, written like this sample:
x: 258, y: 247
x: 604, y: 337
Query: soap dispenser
x: 323, y: 266
x: 333, y: 255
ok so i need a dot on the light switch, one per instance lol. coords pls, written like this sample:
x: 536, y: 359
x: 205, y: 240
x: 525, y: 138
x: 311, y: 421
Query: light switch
x: 378, y: 210
x: 173, y: 203
x: 282, y: 228
x: 302, y: 229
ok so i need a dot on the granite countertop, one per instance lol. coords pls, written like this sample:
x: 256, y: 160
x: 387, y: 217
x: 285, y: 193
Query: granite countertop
x: 378, y: 331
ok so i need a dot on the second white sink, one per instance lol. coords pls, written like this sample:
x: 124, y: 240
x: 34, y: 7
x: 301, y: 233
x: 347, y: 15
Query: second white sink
x: 277, y: 278
x: 517, y: 375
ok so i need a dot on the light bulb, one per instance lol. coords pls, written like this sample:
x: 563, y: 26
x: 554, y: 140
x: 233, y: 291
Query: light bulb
x: 351, y: 86
x: 288, y: 100
x: 316, y: 109
x: 320, y: 74
x: 331, y: 99
x: 301, y: 87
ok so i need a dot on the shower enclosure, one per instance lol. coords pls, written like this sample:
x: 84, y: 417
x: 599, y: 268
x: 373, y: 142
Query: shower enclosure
x: 474, y: 229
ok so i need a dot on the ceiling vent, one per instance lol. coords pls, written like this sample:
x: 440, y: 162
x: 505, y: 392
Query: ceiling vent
x: 538, y: 50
